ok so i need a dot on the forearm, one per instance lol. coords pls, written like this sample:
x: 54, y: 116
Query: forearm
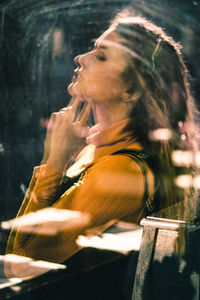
x: 23, y: 206
x: 40, y: 194
x: 103, y: 195
x: 44, y: 192
x: 55, y: 248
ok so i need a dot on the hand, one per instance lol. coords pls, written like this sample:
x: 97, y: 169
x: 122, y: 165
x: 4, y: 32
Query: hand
x: 65, y: 136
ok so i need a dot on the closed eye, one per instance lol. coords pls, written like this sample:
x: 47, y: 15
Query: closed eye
x: 100, y: 57
x: 99, y: 54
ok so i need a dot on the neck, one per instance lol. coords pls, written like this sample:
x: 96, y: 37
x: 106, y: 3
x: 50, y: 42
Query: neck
x: 106, y: 115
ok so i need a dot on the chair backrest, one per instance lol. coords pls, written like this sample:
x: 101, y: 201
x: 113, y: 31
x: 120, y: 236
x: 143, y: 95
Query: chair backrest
x: 160, y: 274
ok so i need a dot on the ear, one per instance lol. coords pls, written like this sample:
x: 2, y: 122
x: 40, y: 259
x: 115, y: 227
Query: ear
x: 125, y: 97
x: 131, y: 97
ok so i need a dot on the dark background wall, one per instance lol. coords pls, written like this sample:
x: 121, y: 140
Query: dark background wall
x: 38, y: 40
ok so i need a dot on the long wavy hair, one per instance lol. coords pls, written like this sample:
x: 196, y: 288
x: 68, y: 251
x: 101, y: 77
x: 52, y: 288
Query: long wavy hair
x: 159, y: 79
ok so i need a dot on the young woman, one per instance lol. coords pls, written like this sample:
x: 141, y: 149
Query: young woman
x: 135, y: 82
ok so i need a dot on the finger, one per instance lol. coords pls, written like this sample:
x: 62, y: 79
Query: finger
x: 85, y: 115
x: 58, y: 119
x: 63, y: 109
x: 73, y: 99
x: 70, y: 104
x: 71, y: 115
x: 80, y: 131
x: 51, y: 121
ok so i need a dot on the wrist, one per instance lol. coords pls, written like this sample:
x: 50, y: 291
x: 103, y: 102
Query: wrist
x: 58, y: 164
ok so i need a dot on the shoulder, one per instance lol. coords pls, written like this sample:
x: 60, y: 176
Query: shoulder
x: 118, y: 169
x: 117, y: 162
x: 121, y: 170
x: 121, y: 162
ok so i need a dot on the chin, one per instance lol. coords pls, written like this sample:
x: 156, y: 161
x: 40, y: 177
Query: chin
x: 73, y: 90
x: 70, y: 89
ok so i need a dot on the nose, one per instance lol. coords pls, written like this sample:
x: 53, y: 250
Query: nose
x: 80, y: 60
x: 76, y: 60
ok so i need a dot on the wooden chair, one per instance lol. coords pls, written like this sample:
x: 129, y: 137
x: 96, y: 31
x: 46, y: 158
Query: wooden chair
x: 160, y: 274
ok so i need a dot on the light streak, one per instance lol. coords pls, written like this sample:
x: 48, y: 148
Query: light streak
x: 184, y: 181
x: 186, y: 158
x: 160, y: 134
x: 182, y: 158
x: 52, y: 219
x: 120, y: 242
x: 188, y: 181
x: 25, y: 267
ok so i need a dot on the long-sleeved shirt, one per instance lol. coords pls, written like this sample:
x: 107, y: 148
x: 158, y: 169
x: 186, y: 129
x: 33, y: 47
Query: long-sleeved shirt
x: 111, y: 188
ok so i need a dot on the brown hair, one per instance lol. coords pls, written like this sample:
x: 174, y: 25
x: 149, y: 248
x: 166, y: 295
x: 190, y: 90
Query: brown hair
x: 157, y: 71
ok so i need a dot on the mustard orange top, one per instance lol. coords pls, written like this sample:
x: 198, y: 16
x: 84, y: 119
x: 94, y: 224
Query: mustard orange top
x: 111, y: 189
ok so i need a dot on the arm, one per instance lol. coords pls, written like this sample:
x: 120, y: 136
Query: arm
x: 110, y: 190
x: 40, y: 194
x: 61, y: 142
x: 11, y: 238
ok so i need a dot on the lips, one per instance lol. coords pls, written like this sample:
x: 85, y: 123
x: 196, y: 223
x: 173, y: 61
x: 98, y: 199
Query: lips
x: 76, y: 76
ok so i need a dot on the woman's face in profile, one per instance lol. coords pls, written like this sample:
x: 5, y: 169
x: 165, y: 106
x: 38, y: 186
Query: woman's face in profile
x: 97, y: 77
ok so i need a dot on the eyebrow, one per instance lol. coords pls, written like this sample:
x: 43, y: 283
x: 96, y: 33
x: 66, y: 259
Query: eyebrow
x: 96, y: 45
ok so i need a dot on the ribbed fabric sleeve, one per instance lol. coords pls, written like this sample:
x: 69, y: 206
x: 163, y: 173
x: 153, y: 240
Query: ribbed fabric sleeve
x: 110, y: 190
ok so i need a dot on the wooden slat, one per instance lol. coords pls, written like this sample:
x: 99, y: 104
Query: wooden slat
x: 160, y: 274
x: 163, y: 223
x: 141, y: 283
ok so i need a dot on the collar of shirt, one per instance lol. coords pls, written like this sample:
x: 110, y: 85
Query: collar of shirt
x: 104, y: 142
x: 109, y: 135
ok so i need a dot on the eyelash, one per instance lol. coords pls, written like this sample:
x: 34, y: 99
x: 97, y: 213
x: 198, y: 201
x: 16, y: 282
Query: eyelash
x: 99, y: 56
